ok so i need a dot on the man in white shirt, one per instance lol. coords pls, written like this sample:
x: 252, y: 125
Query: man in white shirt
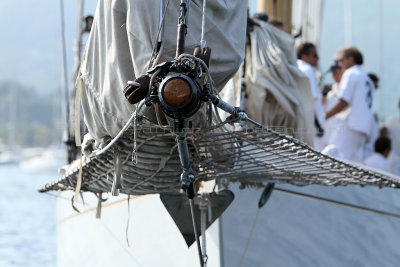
x: 329, y: 100
x: 307, y: 60
x: 378, y: 159
x: 392, y: 128
x: 354, y: 106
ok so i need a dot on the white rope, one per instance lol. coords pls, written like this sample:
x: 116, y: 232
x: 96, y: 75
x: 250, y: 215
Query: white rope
x: 203, y: 43
x: 79, y: 182
x: 123, y: 130
x: 134, y: 151
x: 98, y: 209
x: 77, y: 112
x: 204, y: 208
x: 127, y: 125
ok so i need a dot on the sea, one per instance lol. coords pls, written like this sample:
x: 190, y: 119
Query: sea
x: 27, y: 219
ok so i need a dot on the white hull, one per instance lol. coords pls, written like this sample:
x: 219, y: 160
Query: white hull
x: 154, y: 239
x: 290, y: 231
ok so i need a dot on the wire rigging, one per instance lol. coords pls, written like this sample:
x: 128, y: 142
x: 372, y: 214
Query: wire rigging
x: 339, y: 203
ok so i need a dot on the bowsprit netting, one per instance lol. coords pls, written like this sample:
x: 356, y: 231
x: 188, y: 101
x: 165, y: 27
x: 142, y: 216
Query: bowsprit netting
x: 250, y: 154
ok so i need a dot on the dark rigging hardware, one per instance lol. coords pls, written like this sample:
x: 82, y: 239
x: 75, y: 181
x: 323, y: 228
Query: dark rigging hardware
x: 180, y: 87
x: 266, y: 194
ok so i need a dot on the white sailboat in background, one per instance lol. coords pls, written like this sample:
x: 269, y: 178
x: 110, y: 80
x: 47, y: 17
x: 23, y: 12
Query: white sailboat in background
x: 297, y: 227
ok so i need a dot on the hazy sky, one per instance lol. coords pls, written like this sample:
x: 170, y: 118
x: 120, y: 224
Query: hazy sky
x: 31, y: 46
x: 31, y: 41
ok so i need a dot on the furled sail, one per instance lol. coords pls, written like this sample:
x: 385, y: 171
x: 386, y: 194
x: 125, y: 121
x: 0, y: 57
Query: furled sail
x: 277, y: 93
x: 121, y: 43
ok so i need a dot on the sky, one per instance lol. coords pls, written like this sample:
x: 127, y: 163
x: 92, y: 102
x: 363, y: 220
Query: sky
x: 31, y: 50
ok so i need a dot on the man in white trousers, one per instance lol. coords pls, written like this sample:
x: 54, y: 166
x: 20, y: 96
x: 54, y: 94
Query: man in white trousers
x: 355, y: 101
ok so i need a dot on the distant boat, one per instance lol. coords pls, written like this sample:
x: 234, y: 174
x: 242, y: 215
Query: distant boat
x: 9, y: 157
x: 45, y: 162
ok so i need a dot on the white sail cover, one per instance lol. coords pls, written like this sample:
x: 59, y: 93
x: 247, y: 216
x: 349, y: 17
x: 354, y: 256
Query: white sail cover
x: 121, y: 44
x: 278, y: 93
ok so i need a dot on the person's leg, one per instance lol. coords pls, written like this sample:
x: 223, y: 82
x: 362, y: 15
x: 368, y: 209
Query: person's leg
x: 349, y: 143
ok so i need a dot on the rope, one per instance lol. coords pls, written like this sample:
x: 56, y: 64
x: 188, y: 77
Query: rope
x: 192, y: 212
x: 134, y: 151
x: 163, y: 161
x: 250, y: 237
x: 77, y: 112
x: 161, y: 26
x: 339, y: 203
x: 203, y: 26
x: 98, y: 209
x: 136, y: 262
x: 127, y: 223
x: 205, y: 206
x: 79, y: 182
x: 127, y: 125
x: 73, y: 203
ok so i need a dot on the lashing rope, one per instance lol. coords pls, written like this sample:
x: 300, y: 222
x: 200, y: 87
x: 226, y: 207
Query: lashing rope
x: 205, y: 208
x: 203, y: 43
x: 127, y: 222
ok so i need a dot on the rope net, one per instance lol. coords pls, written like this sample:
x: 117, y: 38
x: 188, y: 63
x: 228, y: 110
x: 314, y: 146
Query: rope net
x: 250, y: 154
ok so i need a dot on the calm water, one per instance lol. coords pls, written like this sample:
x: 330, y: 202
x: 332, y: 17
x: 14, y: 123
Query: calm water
x: 27, y: 219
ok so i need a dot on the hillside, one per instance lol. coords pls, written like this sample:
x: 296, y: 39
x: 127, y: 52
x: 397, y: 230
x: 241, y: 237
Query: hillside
x: 35, y: 120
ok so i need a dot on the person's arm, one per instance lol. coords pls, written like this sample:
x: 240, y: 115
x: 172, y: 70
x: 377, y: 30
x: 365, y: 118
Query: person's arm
x: 338, y: 108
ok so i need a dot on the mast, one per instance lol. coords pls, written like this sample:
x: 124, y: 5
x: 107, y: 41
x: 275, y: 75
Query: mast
x: 72, y: 150
x: 78, y: 41
x: 278, y: 9
x: 64, y: 57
